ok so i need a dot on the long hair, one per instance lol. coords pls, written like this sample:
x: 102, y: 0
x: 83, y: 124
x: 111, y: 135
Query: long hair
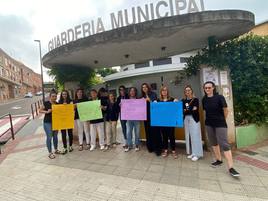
x: 114, y: 97
x: 188, y: 86
x: 213, y: 85
x: 122, y: 87
x: 135, y: 89
x: 162, y: 89
x: 149, y: 89
x: 68, y: 99
x: 83, y: 93
x: 101, y: 91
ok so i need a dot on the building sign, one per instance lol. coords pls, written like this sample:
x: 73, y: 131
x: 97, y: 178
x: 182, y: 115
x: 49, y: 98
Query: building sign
x: 125, y: 17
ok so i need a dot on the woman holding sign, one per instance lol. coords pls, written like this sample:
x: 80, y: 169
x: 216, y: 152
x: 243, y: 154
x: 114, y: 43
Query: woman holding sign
x: 153, y: 136
x: 65, y: 99
x: 167, y: 132
x: 97, y: 125
x: 192, y: 124
x: 82, y: 127
x: 216, y: 113
x: 51, y: 135
x: 133, y: 124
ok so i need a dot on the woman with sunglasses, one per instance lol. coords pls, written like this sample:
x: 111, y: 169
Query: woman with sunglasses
x: 216, y: 110
x: 192, y: 129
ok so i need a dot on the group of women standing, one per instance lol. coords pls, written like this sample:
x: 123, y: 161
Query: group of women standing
x: 158, y: 139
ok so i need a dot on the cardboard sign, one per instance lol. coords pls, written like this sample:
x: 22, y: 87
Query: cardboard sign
x: 89, y: 110
x: 133, y: 109
x: 62, y: 116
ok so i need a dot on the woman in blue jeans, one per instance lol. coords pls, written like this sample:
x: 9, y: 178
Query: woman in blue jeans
x: 133, y: 124
x: 51, y: 135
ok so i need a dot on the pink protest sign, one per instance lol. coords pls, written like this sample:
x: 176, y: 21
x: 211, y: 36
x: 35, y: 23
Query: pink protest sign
x: 133, y: 109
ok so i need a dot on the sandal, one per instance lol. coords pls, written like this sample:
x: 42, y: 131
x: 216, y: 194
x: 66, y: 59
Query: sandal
x: 87, y: 147
x: 64, y: 151
x: 80, y: 148
x: 175, y: 155
x: 51, y: 156
x: 165, y: 153
x: 57, y: 152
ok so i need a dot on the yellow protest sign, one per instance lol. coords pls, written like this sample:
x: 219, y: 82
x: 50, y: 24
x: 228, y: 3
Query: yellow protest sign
x: 62, y: 116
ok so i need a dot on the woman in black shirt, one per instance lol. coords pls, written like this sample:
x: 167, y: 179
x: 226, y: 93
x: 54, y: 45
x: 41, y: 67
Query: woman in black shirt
x: 47, y: 110
x: 65, y: 99
x: 192, y: 128
x: 216, y: 126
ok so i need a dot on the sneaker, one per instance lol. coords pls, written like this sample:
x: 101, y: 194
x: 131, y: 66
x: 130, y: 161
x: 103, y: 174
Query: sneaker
x: 126, y: 149
x: 87, y: 147
x: 195, y: 158
x: 114, y: 145
x: 137, y: 148
x: 92, y: 148
x: 190, y: 156
x: 216, y: 163
x: 71, y: 149
x: 233, y: 172
x: 102, y: 147
x: 80, y: 148
x: 64, y: 151
x: 106, y: 147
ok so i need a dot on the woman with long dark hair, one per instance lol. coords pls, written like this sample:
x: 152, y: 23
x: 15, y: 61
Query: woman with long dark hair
x: 65, y: 99
x: 216, y: 110
x: 192, y: 129
x: 153, y: 136
x: 51, y: 135
x: 82, y: 127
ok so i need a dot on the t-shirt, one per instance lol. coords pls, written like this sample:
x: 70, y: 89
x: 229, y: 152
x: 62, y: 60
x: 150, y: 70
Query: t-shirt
x: 112, y: 112
x: 188, y: 105
x: 48, y: 117
x: 76, y: 115
x: 214, y: 110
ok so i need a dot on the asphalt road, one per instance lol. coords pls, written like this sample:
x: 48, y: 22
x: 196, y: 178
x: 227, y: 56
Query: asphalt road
x: 18, y: 107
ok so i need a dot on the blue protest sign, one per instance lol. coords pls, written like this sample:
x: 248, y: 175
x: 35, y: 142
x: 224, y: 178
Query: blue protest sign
x: 168, y: 114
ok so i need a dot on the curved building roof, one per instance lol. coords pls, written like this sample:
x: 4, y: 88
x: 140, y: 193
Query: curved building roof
x: 151, y: 39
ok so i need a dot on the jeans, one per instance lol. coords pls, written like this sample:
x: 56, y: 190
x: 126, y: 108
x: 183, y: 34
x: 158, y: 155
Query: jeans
x: 132, y: 124
x: 51, y: 135
x: 64, y: 139
x: 193, y: 134
x: 124, y: 128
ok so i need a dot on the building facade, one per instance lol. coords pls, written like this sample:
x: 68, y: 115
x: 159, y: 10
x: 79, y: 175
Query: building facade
x: 16, y: 79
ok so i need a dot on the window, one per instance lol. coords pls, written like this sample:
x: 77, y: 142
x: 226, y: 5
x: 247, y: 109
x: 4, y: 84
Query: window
x: 163, y: 61
x: 183, y: 59
x: 142, y: 65
x: 125, y: 69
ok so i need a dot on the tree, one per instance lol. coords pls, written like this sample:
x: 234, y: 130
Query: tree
x: 247, y: 59
x: 62, y: 74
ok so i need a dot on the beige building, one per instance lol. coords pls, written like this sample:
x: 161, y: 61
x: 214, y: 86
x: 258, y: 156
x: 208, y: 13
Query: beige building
x: 261, y: 29
x: 16, y: 79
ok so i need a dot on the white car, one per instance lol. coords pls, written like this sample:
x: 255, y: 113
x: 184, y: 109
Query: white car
x: 39, y: 93
x: 28, y: 95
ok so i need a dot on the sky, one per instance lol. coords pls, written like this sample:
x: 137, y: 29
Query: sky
x: 21, y: 22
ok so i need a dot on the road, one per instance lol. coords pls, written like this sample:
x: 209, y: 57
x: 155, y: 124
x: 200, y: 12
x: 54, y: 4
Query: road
x: 18, y: 107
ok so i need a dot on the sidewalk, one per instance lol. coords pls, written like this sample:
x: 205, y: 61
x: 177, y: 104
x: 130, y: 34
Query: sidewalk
x: 26, y: 173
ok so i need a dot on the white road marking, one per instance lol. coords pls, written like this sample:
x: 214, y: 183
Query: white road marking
x: 5, y: 127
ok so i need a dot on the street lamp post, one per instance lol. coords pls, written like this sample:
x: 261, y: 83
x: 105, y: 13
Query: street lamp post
x: 43, y: 92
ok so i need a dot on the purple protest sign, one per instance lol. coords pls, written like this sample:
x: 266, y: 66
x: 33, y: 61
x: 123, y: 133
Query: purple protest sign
x: 133, y: 109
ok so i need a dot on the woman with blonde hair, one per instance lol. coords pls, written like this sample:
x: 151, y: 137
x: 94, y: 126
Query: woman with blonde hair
x: 167, y: 132
x: 192, y: 129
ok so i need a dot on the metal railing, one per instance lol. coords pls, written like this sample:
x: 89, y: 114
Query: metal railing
x: 11, y: 128
x: 35, y: 108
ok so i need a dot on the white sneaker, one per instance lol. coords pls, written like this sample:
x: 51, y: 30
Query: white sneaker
x: 92, y: 148
x: 126, y: 149
x: 195, y: 158
x: 137, y: 148
x: 102, y: 147
x: 190, y: 156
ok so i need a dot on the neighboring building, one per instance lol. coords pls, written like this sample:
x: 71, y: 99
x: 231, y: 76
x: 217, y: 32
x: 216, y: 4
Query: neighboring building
x: 16, y: 79
x: 261, y: 29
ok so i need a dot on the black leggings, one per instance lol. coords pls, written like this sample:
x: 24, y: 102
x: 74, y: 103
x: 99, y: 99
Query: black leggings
x: 64, y: 140
x: 168, y: 134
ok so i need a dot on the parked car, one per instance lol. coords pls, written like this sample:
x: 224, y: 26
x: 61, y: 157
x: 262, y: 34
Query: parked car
x: 39, y: 93
x: 28, y: 95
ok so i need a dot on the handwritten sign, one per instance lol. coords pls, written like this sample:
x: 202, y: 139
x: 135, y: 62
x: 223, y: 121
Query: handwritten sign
x: 133, y: 109
x: 168, y: 114
x: 89, y: 110
x: 62, y: 116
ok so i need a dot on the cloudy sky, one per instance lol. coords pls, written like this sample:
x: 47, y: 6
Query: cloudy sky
x: 23, y: 21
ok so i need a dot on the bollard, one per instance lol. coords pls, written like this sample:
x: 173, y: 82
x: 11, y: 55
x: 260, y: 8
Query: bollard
x: 36, y: 111
x: 11, y: 127
x: 32, y: 110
